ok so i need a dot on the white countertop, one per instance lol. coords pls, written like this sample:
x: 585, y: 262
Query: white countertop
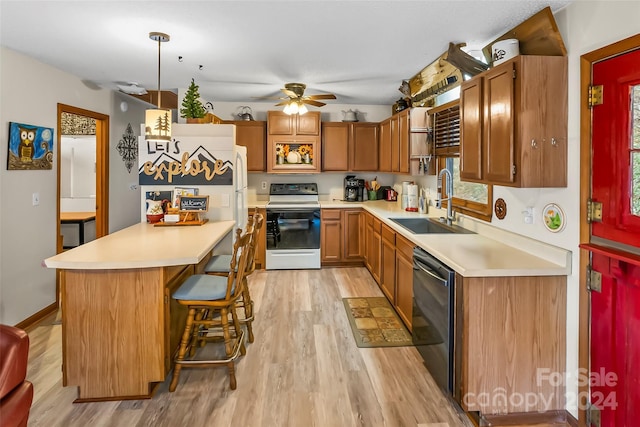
x: 144, y: 246
x: 491, y: 252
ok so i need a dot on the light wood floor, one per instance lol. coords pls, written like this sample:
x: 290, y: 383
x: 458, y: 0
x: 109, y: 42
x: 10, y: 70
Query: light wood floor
x: 303, y: 369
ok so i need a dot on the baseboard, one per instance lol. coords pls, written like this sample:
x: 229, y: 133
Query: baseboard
x: 549, y: 418
x: 33, y: 320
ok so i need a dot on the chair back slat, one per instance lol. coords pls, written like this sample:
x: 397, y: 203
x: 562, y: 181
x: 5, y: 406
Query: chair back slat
x: 239, y: 261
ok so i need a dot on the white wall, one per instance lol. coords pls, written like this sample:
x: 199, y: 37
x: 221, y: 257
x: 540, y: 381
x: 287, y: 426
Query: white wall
x: 124, y: 205
x: 29, y: 93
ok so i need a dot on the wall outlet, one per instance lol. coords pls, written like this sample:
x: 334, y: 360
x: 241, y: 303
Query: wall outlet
x: 224, y: 200
x: 264, y: 185
x: 527, y: 215
x: 35, y: 199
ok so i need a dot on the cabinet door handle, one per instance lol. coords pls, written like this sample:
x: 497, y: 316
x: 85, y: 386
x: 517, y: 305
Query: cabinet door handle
x: 554, y: 142
x: 534, y: 143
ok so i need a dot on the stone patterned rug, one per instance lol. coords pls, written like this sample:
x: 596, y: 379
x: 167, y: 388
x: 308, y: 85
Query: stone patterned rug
x: 375, y: 323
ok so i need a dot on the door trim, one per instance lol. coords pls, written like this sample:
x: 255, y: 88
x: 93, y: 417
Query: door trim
x: 102, y: 173
x: 586, y: 64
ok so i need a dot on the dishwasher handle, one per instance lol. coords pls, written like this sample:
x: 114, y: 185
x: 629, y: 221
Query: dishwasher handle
x: 430, y: 272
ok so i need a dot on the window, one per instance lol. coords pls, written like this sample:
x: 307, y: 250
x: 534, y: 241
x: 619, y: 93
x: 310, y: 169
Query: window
x: 470, y: 198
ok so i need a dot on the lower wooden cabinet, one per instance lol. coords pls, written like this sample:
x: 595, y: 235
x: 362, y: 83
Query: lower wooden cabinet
x: 388, y: 270
x: 341, y: 240
x: 331, y: 236
x: 374, y: 248
x: 510, y: 341
x: 404, y: 279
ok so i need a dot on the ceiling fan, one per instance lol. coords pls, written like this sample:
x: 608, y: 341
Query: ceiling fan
x: 295, y: 94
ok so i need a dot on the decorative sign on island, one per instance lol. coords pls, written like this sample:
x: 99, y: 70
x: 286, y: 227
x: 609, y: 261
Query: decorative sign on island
x: 194, y: 203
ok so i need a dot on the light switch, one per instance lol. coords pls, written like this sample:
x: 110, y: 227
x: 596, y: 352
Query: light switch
x: 35, y: 199
x: 224, y: 200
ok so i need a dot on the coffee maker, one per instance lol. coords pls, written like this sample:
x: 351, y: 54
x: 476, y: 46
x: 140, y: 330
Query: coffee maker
x: 353, y: 189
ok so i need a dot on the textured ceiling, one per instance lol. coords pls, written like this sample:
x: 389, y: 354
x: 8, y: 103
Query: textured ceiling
x: 359, y: 50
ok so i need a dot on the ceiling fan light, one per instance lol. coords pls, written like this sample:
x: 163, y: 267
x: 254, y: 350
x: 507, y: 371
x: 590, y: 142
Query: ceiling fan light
x: 302, y: 109
x: 287, y: 109
x: 293, y: 108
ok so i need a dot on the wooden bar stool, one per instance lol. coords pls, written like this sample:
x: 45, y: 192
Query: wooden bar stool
x: 219, y: 266
x: 210, y: 299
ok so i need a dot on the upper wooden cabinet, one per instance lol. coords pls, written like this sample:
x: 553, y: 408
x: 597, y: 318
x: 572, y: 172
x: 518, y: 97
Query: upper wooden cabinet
x: 349, y: 146
x: 293, y: 142
x: 384, y: 152
x: 403, y: 138
x: 514, y: 123
x: 252, y: 134
x: 294, y: 124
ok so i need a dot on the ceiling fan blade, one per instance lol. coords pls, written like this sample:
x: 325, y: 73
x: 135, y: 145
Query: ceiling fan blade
x: 312, y: 102
x: 282, y: 103
x: 289, y: 93
x: 267, y: 97
x: 321, y: 96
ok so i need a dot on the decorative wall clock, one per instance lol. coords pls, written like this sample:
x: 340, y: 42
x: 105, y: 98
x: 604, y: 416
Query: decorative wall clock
x: 500, y: 208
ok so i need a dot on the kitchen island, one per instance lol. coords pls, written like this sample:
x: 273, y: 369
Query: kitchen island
x: 120, y: 326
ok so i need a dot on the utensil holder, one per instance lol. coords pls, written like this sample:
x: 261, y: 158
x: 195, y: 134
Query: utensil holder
x: 372, y: 195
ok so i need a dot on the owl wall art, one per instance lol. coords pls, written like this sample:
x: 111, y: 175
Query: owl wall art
x: 30, y: 147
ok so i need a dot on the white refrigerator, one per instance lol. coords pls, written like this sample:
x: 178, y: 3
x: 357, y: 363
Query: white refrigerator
x: 203, y: 157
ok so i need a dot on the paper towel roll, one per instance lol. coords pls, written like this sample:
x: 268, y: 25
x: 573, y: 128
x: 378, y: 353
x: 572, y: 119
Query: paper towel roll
x: 405, y: 187
x: 405, y: 200
x: 412, y: 190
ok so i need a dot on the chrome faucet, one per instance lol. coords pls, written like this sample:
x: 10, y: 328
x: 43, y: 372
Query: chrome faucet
x: 449, y: 183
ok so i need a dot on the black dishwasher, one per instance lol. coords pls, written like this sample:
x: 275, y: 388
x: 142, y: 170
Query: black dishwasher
x: 433, y: 312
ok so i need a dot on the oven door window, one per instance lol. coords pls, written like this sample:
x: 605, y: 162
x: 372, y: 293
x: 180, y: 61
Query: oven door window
x: 293, y: 229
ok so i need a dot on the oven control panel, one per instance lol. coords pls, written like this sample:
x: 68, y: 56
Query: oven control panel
x: 294, y: 189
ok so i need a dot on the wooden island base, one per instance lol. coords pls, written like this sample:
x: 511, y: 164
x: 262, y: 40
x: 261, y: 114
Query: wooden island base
x: 119, y: 330
x: 120, y: 326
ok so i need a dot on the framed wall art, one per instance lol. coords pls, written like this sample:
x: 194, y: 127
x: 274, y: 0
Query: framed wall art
x: 30, y: 147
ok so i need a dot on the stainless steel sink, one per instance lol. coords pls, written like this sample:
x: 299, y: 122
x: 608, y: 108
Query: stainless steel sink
x: 429, y: 226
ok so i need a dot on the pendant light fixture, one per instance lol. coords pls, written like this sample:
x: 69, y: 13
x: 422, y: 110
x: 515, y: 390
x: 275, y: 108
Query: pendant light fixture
x: 158, y: 120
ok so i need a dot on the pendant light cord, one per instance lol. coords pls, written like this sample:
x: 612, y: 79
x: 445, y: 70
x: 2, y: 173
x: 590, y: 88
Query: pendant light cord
x: 159, y: 94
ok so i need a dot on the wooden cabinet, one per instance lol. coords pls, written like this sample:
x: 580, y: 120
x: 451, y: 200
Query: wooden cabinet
x: 353, y: 221
x: 349, y: 146
x: 368, y: 232
x: 260, y: 255
x: 403, y: 139
x: 293, y: 142
x: 384, y: 152
x: 331, y: 236
x: 341, y: 236
x: 252, y: 134
x: 508, y: 331
x: 514, y: 123
x: 335, y: 146
x: 404, y: 279
x: 373, y: 249
x: 294, y: 124
x: 388, y: 270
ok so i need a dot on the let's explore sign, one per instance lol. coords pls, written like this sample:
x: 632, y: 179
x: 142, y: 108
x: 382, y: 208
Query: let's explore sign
x: 183, y: 163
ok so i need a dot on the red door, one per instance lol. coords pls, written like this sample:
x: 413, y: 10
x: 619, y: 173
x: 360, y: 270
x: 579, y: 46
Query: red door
x: 615, y: 311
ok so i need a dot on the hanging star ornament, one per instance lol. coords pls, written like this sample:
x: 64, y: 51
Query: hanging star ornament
x: 128, y: 147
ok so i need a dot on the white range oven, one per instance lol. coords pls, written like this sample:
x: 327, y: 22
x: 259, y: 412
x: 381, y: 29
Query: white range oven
x: 293, y: 227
